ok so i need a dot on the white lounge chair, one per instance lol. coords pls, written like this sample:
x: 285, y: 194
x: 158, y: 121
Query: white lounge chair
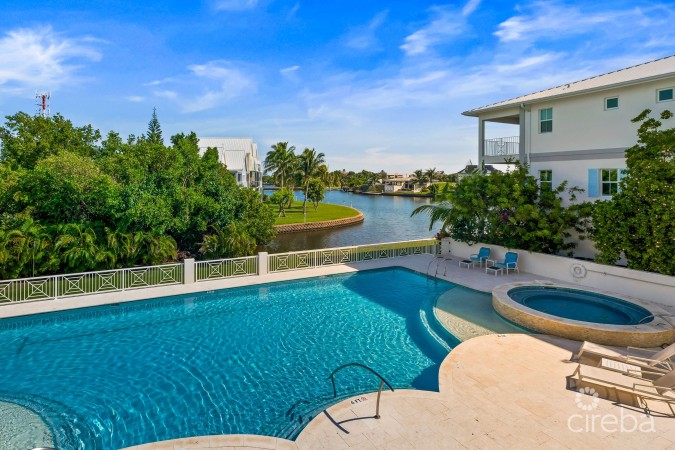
x: 620, y: 388
x: 631, y: 360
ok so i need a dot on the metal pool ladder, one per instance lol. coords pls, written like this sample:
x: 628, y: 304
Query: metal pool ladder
x: 379, y: 391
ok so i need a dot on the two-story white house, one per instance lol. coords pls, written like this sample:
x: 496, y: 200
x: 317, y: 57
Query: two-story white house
x: 578, y: 131
x: 240, y: 156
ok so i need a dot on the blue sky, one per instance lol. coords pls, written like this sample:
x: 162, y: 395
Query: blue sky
x: 372, y: 84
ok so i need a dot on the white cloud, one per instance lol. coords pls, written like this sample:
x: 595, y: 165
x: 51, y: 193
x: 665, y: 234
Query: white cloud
x: 235, y: 5
x: 470, y: 7
x: 206, y: 86
x: 41, y: 58
x: 135, y: 98
x: 364, y: 37
x: 446, y: 24
x: 288, y: 70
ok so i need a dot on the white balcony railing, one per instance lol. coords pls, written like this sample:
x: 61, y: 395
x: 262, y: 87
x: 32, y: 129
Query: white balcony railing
x: 507, y: 146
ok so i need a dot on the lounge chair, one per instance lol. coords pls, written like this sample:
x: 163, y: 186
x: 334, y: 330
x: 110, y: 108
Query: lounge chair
x: 510, y: 263
x: 631, y: 361
x: 625, y: 389
x: 481, y: 257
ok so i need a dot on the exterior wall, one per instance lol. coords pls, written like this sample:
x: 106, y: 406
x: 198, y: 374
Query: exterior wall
x: 576, y: 173
x: 582, y: 123
x: 634, y: 283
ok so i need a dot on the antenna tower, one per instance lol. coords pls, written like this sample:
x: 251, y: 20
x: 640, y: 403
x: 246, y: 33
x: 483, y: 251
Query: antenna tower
x: 42, y: 103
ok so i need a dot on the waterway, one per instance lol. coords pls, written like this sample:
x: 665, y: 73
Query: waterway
x: 387, y: 219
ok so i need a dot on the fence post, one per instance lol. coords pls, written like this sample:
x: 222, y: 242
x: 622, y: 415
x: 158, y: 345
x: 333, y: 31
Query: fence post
x: 262, y: 263
x: 188, y: 271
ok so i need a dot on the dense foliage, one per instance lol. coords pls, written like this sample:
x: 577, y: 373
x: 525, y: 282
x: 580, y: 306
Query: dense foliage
x: 70, y: 201
x: 638, y: 221
x: 509, y: 209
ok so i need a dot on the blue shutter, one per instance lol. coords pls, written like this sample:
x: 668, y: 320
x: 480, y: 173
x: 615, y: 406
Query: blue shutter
x: 593, y: 181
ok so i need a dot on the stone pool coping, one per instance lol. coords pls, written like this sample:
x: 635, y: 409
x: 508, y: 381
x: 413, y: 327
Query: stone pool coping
x: 651, y: 334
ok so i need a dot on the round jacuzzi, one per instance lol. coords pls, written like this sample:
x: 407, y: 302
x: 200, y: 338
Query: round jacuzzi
x: 580, y: 305
x: 583, y: 314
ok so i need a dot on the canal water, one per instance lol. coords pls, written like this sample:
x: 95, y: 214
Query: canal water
x: 387, y: 219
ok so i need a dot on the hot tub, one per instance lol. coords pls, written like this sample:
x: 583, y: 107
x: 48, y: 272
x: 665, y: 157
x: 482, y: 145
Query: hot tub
x: 584, y: 314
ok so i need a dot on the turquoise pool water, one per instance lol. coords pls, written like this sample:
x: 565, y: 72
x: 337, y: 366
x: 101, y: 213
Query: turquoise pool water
x: 580, y: 305
x: 248, y: 360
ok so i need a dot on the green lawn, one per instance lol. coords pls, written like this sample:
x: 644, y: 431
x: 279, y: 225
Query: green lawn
x: 326, y: 211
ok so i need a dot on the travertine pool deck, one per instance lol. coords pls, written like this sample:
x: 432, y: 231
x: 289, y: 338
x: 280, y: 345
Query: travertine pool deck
x: 497, y: 391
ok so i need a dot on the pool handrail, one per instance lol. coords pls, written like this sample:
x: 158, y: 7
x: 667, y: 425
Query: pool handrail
x: 363, y: 366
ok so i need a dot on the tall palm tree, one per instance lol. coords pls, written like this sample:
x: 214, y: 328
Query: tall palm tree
x: 280, y: 161
x: 308, y: 167
x: 430, y: 174
x: 324, y: 175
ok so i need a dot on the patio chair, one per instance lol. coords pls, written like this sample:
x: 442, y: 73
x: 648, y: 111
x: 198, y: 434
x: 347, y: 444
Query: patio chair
x: 481, y: 257
x: 625, y: 389
x: 631, y: 361
x: 510, y: 263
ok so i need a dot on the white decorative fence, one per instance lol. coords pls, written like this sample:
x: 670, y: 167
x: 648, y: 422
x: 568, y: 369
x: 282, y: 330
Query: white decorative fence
x: 189, y: 271
x: 226, y: 268
x: 344, y: 255
x: 57, y: 286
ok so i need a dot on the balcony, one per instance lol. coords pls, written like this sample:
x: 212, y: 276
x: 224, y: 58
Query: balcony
x: 506, y: 146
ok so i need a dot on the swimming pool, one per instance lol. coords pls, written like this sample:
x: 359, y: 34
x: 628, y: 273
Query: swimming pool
x: 248, y: 360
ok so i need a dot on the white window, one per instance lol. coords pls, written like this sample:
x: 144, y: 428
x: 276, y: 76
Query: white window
x: 546, y: 120
x: 546, y: 180
x: 611, y: 103
x: 664, y: 95
x: 609, y: 181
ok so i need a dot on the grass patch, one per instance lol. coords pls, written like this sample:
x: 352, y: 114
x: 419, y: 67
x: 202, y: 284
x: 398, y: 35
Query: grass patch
x: 326, y: 211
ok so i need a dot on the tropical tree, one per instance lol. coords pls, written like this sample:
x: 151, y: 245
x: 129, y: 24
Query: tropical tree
x: 638, y: 221
x: 308, y: 165
x: 315, y: 192
x: 281, y: 161
x: 431, y: 174
x: 324, y: 175
x: 282, y: 197
x: 231, y: 241
x: 418, y: 177
x: 77, y: 247
x: 510, y: 209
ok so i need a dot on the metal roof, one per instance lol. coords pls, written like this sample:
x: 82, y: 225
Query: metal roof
x: 232, y: 151
x: 641, y: 73
x: 234, y: 160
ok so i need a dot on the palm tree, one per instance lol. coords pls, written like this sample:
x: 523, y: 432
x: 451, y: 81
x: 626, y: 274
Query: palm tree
x: 77, y: 245
x: 324, y: 175
x: 308, y: 166
x: 418, y: 178
x: 431, y: 174
x: 232, y: 241
x: 280, y: 161
x: 437, y: 212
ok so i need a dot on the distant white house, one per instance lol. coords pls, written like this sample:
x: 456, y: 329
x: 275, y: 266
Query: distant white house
x: 578, y: 131
x: 240, y: 156
x: 397, y: 181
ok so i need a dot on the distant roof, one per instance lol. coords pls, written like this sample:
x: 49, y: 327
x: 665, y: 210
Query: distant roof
x: 232, y: 151
x: 653, y: 70
x: 470, y: 168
